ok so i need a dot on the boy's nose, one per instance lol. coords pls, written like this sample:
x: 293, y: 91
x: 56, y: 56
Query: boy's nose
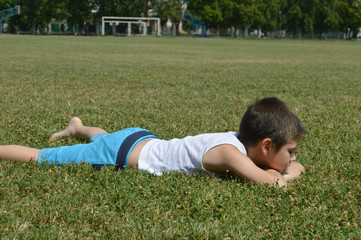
x: 293, y: 158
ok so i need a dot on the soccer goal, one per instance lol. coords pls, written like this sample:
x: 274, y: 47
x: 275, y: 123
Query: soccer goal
x: 144, y: 23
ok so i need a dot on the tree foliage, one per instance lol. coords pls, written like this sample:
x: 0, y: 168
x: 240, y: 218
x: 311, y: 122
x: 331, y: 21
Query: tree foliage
x: 349, y: 12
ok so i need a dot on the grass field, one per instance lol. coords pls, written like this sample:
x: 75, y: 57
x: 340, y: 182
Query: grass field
x: 177, y: 87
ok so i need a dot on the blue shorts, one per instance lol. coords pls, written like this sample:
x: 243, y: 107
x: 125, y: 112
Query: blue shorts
x: 103, y: 149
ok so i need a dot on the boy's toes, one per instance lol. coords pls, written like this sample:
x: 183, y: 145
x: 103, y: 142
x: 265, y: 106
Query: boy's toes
x: 53, y: 137
x: 56, y: 136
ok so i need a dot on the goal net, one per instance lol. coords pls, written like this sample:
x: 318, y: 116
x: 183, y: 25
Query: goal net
x: 131, y: 26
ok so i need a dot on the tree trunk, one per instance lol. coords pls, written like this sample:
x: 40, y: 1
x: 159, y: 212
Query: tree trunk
x: 17, y: 29
x: 338, y: 35
x: 232, y: 32
x: 218, y: 31
x: 299, y: 33
x: 65, y: 28
x: 49, y: 27
x: 33, y: 29
x: 81, y: 29
x: 174, y: 29
x: 349, y: 34
x: 40, y: 29
x: 245, y: 31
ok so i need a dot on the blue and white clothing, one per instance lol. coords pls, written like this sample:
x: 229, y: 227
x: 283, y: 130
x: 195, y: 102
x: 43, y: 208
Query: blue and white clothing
x: 103, y: 149
x: 183, y: 155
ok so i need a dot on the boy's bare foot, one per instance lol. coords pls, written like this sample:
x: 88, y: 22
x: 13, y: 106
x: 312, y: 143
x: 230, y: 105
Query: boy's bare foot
x: 69, y: 131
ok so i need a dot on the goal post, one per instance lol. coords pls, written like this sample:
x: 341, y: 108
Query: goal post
x: 131, y: 20
x: 17, y: 9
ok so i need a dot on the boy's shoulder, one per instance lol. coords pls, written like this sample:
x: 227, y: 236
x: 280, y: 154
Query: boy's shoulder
x: 212, y: 140
x: 217, y: 159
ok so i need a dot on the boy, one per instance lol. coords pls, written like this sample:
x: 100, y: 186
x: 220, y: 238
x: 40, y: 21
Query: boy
x: 262, y: 151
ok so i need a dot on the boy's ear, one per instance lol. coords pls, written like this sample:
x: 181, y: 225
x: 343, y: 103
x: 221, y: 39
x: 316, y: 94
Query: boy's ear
x: 266, y: 145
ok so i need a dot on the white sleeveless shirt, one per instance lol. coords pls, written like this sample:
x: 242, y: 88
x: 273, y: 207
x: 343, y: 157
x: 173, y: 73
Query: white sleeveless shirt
x: 183, y: 155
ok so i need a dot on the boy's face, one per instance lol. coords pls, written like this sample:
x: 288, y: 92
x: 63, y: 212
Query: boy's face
x: 280, y: 160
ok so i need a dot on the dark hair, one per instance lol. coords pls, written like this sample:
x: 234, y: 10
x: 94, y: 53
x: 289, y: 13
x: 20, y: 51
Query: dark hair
x: 270, y: 118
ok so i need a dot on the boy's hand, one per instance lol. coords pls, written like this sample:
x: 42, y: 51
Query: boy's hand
x: 294, y: 170
x: 279, y: 178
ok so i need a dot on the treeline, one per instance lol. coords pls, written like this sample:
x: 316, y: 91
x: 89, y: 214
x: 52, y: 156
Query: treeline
x: 299, y: 17
x: 302, y: 18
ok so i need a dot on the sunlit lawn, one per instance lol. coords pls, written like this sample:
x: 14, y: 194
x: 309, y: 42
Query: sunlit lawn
x: 177, y: 87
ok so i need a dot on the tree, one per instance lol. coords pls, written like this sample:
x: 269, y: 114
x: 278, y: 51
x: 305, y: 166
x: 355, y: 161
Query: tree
x: 79, y: 13
x: 31, y: 14
x: 53, y: 10
x: 170, y: 9
x: 207, y: 10
x: 216, y: 13
x: 105, y: 8
x: 212, y: 14
x: 247, y: 12
x: 134, y: 8
x: 327, y: 18
x: 266, y: 15
x: 234, y: 19
x: 299, y: 16
x: 6, y: 4
x: 309, y: 8
x: 349, y: 12
x: 293, y: 16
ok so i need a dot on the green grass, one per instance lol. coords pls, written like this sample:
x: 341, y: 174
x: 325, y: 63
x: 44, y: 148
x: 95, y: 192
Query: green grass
x: 177, y: 87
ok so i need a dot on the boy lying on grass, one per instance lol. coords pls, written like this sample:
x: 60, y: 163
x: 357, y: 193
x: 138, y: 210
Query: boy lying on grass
x: 262, y: 152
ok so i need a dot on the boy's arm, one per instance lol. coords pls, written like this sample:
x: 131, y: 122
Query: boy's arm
x: 294, y: 170
x: 229, y: 158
